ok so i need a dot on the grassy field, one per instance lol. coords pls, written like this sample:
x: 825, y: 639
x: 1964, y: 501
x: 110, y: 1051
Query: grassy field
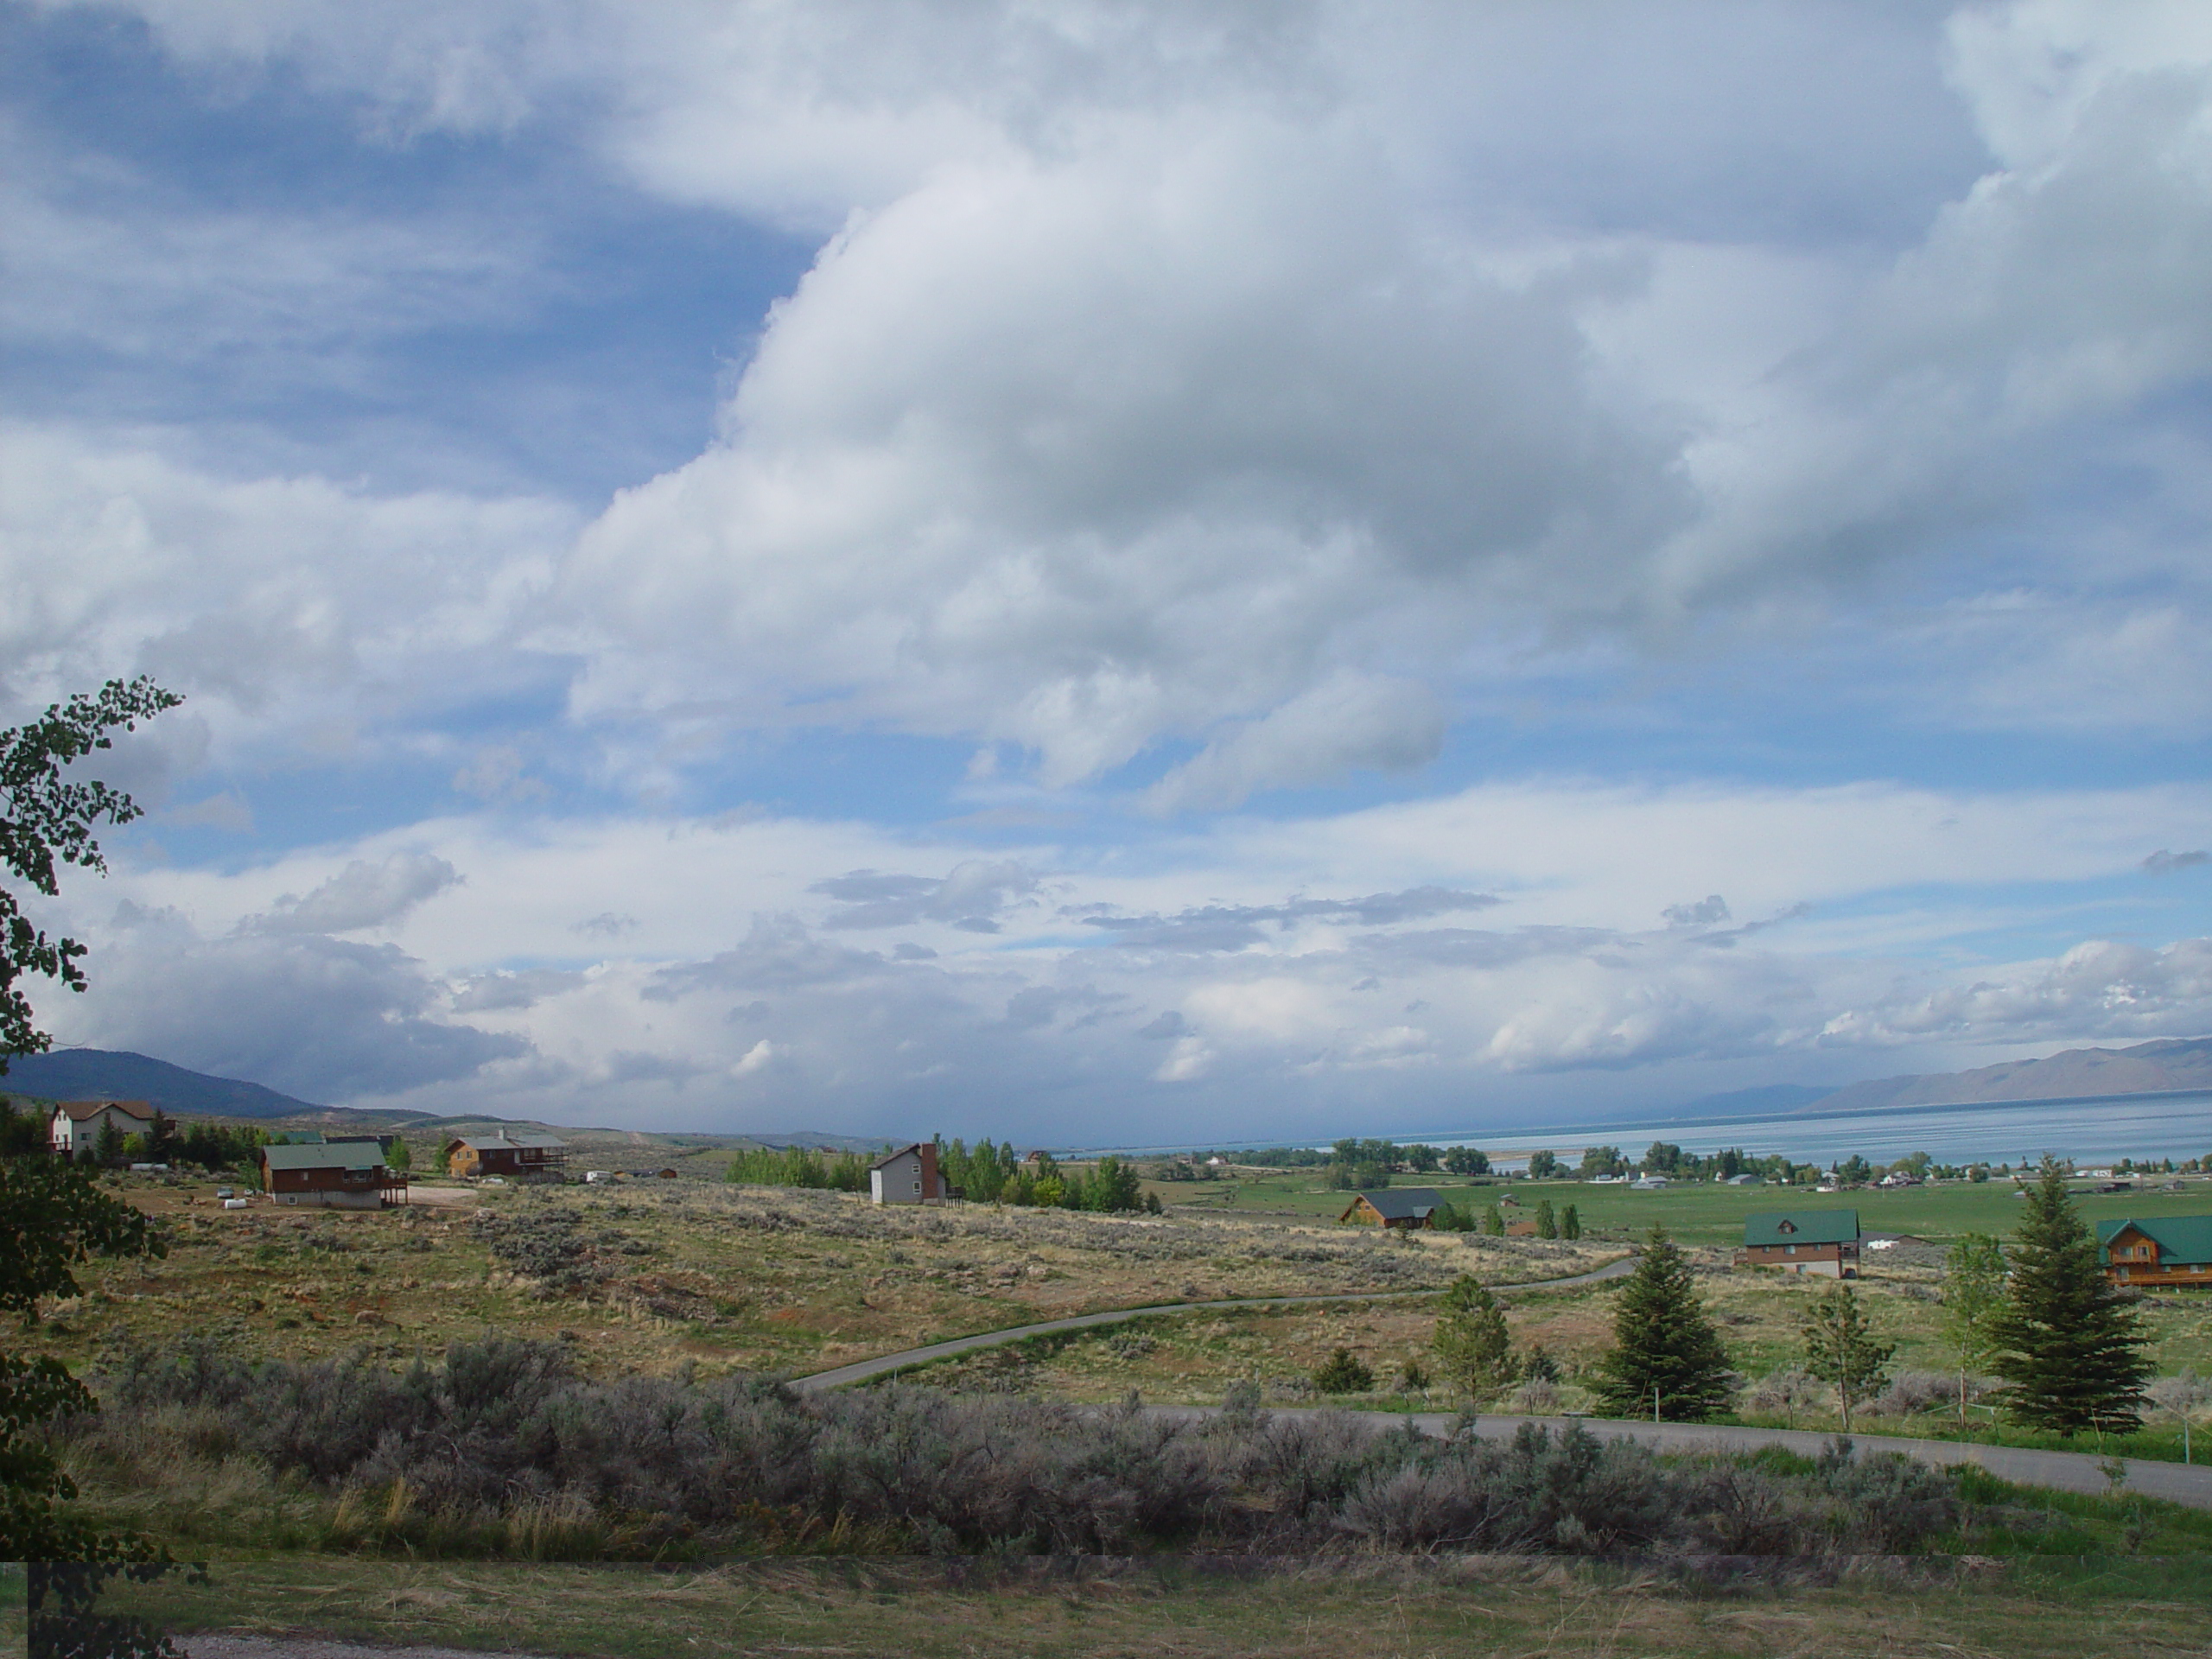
x: 652, y: 1276
x: 1171, y: 1607
x: 1701, y: 1213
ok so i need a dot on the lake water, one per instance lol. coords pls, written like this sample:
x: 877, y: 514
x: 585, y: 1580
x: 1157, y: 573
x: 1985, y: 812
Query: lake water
x: 2091, y: 1132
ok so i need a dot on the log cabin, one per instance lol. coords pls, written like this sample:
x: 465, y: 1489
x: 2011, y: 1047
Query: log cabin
x: 2164, y: 1250
x: 1404, y: 1207
x: 511, y: 1154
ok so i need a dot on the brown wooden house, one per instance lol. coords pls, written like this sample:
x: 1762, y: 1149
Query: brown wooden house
x: 2168, y: 1250
x: 349, y: 1175
x: 513, y: 1155
x: 1404, y: 1207
x: 1825, y: 1242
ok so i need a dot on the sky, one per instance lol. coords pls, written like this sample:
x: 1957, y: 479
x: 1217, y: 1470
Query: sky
x: 1118, y: 573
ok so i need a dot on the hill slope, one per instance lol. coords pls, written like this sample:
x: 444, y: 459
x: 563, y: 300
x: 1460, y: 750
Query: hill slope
x: 87, y: 1073
x: 2171, y: 1064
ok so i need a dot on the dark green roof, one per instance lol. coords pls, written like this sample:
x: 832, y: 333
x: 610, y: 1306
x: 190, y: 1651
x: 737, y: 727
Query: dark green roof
x: 346, y: 1155
x: 1802, y: 1227
x: 1404, y: 1203
x: 2180, y: 1239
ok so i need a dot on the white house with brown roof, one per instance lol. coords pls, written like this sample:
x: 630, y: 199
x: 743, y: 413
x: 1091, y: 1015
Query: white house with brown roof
x: 76, y: 1125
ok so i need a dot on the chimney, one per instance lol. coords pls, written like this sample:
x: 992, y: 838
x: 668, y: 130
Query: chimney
x: 933, y: 1189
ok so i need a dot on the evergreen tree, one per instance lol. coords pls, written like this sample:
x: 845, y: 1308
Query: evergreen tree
x: 1974, y: 1296
x: 1473, y: 1345
x: 1494, y: 1221
x: 1546, y: 1222
x: 1664, y: 1343
x: 1570, y: 1223
x: 1840, y: 1350
x: 400, y: 1158
x: 2068, y: 1348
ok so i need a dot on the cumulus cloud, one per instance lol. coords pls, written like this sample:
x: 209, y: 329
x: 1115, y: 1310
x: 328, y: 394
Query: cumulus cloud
x: 361, y: 895
x: 968, y: 897
x: 1232, y: 927
x: 327, y: 1020
x: 2098, y: 989
x: 1706, y: 912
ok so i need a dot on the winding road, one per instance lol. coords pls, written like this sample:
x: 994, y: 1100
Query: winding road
x: 2071, y: 1472
x: 883, y: 1365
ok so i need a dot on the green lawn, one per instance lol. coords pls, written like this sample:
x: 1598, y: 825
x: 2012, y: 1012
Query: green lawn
x: 1705, y: 1213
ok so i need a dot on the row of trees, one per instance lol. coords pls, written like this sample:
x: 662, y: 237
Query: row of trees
x: 983, y: 1174
x: 2041, y: 1318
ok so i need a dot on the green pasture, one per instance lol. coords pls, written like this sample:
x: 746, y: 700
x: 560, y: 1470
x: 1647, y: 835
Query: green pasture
x: 1701, y: 1212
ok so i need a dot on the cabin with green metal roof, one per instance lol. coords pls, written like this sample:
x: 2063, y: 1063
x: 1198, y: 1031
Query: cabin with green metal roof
x: 346, y: 1175
x: 2158, y: 1250
x: 1825, y: 1242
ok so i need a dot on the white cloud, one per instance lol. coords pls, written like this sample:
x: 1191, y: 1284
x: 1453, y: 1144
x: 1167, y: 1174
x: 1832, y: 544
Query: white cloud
x: 361, y: 895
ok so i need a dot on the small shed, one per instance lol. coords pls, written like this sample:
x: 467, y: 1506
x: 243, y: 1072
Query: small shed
x: 1401, y: 1207
x: 1825, y: 1242
x: 351, y: 1175
x: 907, y: 1176
x: 76, y: 1123
x: 2164, y: 1250
x: 516, y: 1154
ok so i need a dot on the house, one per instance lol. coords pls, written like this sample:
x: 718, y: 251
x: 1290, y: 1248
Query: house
x: 76, y: 1123
x: 1404, y: 1206
x: 1741, y: 1181
x: 514, y: 1155
x: 1648, y: 1184
x: 350, y: 1175
x: 2170, y: 1250
x: 1825, y: 1242
x: 907, y: 1176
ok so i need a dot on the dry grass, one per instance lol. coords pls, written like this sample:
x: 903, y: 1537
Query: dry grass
x: 722, y: 1277
x: 1171, y: 1607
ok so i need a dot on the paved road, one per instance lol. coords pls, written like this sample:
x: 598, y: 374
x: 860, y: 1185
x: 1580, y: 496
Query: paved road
x: 862, y: 1370
x: 2068, y: 1472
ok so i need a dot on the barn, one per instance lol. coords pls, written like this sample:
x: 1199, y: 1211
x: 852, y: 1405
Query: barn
x: 347, y: 1175
x: 1401, y: 1207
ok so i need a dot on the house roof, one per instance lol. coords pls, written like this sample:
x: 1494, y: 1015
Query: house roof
x: 346, y: 1155
x: 2180, y: 1239
x: 1802, y: 1227
x: 84, y: 1110
x: 515, y: 1139
x: 1403, y: 1202
x: 893, y: 1157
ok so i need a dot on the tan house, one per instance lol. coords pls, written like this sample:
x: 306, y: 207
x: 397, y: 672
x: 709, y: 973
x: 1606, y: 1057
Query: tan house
x: 907, y: 1176
x: 76, y: 1124
x: 343, y: 1175
x: 1403, y: 1207
x: 511, y: 1154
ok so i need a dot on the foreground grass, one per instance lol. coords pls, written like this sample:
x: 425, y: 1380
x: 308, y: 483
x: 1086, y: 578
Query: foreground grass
x: 1173, y: 1606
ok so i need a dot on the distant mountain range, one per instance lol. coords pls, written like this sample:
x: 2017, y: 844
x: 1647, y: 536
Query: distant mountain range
x: 116, y: 1074
x: 93, y: 1073
x: 2174, y: 1066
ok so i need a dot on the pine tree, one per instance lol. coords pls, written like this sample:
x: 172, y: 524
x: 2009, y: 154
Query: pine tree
x: 1472, y: 1344
x: 1570, y: 1223
x: 1840, y: 1350
x: 1664, y: 1345
x: 2068, y: 1348
x: 1546, y: 1222
x: 1494, y: 1221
